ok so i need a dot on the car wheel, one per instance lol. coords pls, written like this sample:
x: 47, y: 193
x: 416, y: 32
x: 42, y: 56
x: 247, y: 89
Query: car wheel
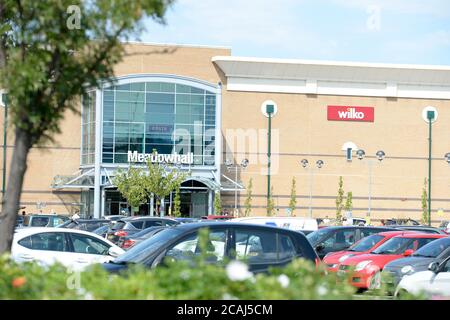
x: 375, y: 281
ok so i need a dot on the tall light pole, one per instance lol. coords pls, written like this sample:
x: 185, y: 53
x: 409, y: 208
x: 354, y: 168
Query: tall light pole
x: 429, y: 114
x: 447, y: 157
x: 380, y: 156
x: 269, y: 109
x: 319, y: 164
x: 231, y: 166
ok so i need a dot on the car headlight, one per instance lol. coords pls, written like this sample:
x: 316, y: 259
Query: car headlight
x: 345, y: 257
x: 363, y: 264
x: 407, y: 270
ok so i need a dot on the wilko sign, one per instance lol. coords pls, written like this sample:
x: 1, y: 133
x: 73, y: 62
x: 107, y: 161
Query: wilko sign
x: 348, y: 113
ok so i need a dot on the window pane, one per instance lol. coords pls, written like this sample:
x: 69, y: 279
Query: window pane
x: 51, y: 241
x: 256, y: 246
x: 86, y: 244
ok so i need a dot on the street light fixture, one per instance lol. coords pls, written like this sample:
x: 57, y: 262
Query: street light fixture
x: 229, y: 164
x: 447, y: 157
x: 380, y: 154
x: 319, y: 164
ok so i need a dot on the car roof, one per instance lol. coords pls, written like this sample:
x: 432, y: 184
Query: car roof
x: 357, y: 227
x: 33, y: 230
x: 420, y: 235
x: 396, y: 233
x: 196, y: 225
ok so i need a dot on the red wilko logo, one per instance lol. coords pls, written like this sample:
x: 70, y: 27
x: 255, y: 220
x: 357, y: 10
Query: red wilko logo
x: 349, y: 113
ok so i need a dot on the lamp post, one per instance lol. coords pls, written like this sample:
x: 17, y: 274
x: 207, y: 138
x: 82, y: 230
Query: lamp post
x: 230, y: 166
x: 269, y: 109
x: 380, y: 156
x: 447, y: 157
x: 429, y: 114
x: 319, y: 164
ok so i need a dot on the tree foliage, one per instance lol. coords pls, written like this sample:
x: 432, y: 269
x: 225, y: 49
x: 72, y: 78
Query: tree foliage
x: 293, y: 199
x: 51, y: 53
x: 177, y: 203
x: 217, y: 203
x: 131, y: 184
x: 339, y: 201
x: 349, y: 202
x: 248, y: 199
x: 424, y: 200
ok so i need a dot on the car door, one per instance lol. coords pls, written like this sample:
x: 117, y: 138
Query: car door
x: 87, y: 250
x: 262, y: 249
x: 44, y: 248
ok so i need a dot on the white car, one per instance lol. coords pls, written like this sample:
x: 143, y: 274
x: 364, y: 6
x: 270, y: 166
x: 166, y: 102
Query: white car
x: 75, y: 249
x: 433, y: 282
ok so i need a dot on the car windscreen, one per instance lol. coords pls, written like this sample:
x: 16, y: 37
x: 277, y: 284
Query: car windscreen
x: 138, y: 253
x: 433, y: 249
x: 315, y: 236
x: 392, y: 246
x: 147, y: 231
x: 366, y: 243
x: 101, y: 230
x: 118, y: 225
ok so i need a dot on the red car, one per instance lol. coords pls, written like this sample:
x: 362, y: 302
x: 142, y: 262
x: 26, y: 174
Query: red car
x: 367, y: 267
x: 363, y: 246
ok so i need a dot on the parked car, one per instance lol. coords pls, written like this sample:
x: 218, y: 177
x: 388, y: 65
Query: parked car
x: 85, y: 224
x: 259, y: 246
x: 132, y: 225
x: 44, y: 220
x: 436, y: 251
x: 102, y: 231
x: 445, y: 226
x: 217, y: 217
x: 73, y: 248
x: 338, y: 238
x: 19, y: 221
x: 129, y: 241
x: 433, y: 282
x: 187, y: 220
x: 395, y: 221
x: 363, y: 246
x: 368, y: 267
x: 423, y: 229
x: 114, y: 218
x: 292, y: 223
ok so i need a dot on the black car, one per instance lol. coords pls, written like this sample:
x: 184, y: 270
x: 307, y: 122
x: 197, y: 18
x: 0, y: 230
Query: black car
x: 259, y: 246
x: 102, y: 231
x: 435, y: 251
x: 424, y: 229
x: 85, y: 224
x: 131, y: 240
x: 129, y: 226
x: 338, y: 238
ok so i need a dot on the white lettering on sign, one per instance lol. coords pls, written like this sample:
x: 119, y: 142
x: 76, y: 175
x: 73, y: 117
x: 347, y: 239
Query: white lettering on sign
x: 134, y: 156
x: 351, y: 113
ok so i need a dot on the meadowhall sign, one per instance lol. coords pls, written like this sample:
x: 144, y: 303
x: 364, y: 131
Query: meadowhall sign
x: 134, y: 156
x: 349, y: 113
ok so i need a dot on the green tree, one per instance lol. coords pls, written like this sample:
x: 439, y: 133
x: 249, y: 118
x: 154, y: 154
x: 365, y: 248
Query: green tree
x: 161, y: 181
x: 339, y: 201
x: 248, y: 199
x: 425, y: 217
x: 177, y: 203
x: 51, y: 53
x: 293, y: 200
x: 271, y: 204
x: 217, y: 203
x: 131, y: 184
x: 349, y: 202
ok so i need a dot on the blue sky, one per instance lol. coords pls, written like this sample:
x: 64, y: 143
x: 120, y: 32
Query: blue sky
x: 390, y: 31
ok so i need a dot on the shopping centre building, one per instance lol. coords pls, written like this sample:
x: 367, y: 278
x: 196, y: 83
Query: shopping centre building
x: 203, y: 110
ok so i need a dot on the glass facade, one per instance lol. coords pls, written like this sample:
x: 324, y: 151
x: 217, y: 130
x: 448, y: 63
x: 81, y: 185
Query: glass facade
x: 166, y: 117
x: 88, y: 129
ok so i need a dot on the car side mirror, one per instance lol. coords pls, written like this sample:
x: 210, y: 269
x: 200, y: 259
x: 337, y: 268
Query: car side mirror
x: 320, y: 247
x: 434, y: 267
x: 408, y: 252
x: 114, y: 252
